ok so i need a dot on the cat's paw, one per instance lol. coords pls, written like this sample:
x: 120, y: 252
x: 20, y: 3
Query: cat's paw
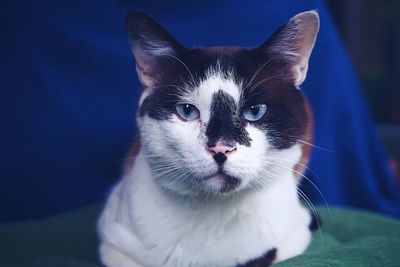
x: 294, y: 243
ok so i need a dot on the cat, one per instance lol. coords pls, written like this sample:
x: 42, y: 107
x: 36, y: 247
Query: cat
x: 212, y: 179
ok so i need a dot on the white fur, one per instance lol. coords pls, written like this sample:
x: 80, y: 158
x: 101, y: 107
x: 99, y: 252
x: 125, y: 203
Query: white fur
x: 215, y: 81
x: 143, y: 226
x: 158, y: 216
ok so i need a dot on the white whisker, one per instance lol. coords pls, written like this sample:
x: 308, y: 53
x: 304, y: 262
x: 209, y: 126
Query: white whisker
x: 257, y: 72
x: 266, y: 79
x: 318, y: 147
x: 311, y: 182
x: 186, y: 67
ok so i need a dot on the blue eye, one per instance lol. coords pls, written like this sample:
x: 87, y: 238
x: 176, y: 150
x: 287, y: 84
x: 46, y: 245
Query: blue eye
x: 254, y: 113
x: 187, y: 112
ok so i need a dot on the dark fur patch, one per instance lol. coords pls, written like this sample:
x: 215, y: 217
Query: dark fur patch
x: 225, y: 123
x: 230, y: 183
x: 286, y: 119
x: 263, y: 261
x: 160, y: 105
x: 173, y: 74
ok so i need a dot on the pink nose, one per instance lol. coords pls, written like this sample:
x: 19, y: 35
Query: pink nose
x: 219, y: 148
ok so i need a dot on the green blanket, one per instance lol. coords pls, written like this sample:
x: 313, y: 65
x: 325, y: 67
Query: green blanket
x: 347, y: 238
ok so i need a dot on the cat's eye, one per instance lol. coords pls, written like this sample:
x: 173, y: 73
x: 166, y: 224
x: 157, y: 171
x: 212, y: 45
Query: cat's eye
x: 255, y: 112
x: 187, y: 112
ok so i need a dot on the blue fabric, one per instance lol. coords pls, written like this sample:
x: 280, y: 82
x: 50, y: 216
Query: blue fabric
x: 69, y: 93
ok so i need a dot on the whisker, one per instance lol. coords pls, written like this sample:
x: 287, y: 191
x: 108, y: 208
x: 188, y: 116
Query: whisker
x: 298, y: 163
x: 266, y: 79
x: 311, y: 182
x: 186, y: 67
x: 257, y: 72
x: 262, y: 181
x: 313, y: 210
x: 266, y: 182
x: 318, y: 147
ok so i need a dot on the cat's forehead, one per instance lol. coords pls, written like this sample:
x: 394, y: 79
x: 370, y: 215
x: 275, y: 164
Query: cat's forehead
x: 216, y: 79
x: 222, y: 50
x: 224, y: 60
x: 222, y: 68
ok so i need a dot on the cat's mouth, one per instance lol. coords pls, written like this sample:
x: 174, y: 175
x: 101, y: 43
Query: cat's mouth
x: 224, y: 182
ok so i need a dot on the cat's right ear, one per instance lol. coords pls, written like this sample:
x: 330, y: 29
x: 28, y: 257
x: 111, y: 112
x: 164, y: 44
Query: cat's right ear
x: 152, y: 47
x: 294, y: 42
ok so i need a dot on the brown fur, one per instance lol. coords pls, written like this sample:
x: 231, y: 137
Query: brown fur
x: 132, y: 153
x: 300, y: 168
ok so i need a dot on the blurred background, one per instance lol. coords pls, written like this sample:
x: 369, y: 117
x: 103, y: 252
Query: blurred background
x: 69, y: 91
x: 371, y: 33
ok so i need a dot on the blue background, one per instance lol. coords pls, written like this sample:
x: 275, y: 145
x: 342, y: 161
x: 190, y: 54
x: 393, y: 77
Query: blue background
x: 69, y: 92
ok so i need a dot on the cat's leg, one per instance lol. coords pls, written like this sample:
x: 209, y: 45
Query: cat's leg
x: 113, y: 258
x: 294, y: 244
x: 298, y: 237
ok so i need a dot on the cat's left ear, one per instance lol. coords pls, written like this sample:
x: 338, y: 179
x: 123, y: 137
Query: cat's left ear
x: 294, y: 42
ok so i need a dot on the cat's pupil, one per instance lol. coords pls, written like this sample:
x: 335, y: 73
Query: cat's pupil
x: 187, y: 109
x: 255, y: 110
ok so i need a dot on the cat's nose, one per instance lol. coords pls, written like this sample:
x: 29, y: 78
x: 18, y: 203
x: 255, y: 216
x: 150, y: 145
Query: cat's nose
x: 221, y: 149
x: 221, y: 152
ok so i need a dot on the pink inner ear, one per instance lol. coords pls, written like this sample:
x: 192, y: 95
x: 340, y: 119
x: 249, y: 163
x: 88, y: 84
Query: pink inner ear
x: 300, y: 71
x: 295, y: 42
x: 307, y: 27
x: 145, y: 66
x: 145, y: 77
x: 304, y: 45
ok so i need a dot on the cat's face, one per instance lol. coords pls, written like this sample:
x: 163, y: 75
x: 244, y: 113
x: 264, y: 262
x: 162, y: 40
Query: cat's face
x: 223, y: 119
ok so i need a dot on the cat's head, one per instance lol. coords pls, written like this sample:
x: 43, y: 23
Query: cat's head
x: 219, y: 120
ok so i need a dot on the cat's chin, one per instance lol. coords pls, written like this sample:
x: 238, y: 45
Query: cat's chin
x: 222, y: 183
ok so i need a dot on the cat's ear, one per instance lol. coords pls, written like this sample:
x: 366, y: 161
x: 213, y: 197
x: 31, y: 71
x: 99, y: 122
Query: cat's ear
x: 152, y: 47
x: 294, y: 42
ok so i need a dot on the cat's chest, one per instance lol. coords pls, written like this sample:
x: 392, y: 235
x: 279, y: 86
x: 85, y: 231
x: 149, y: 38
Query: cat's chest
x: 215, y: 239
x: 210, y: 235
x: 233, y: 238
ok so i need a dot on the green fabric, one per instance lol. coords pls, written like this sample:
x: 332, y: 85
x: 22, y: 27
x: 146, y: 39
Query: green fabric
x: 352, y: 238
x: 347, y: 238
